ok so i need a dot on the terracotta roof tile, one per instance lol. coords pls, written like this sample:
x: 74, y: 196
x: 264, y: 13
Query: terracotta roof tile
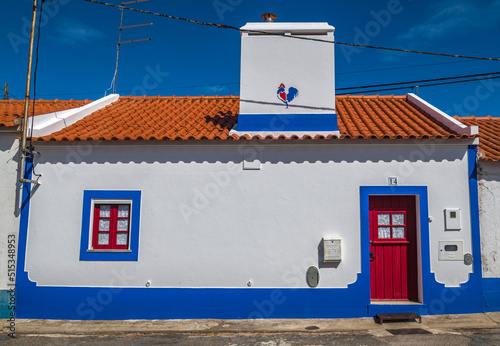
x: 14, y: 109
x: 212, y: 118
x: 489, y: 135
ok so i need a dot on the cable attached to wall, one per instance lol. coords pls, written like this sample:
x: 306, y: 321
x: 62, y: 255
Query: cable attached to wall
x: 31, y: 147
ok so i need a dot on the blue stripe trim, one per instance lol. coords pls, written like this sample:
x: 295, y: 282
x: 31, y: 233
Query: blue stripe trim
x: 22, y: 279
x: 422, y: 203
x: 287, y: 122
x: 83, y: 303
x: 88, y: 196
x: 437, y: 299
x: 491, y: 292
x: 474, y: 217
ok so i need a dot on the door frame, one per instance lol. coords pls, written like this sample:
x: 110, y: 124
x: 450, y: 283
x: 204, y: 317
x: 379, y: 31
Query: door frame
x: 409, y: 242
x: 424, y: 277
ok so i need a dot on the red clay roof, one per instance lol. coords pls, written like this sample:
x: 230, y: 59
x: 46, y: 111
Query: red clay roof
x: 212, y: 117
x: 14, y: 109
x: 489, y: 135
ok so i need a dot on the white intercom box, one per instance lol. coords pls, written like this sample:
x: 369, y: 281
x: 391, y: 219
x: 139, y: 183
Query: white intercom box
x: 452, y: 219
x: 451, y: 250
x: 332, y: 250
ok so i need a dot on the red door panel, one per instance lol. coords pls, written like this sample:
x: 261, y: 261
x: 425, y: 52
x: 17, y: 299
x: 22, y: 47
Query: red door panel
x: 393, y: 248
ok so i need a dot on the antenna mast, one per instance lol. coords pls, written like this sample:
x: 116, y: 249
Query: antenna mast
x: 131, y: 41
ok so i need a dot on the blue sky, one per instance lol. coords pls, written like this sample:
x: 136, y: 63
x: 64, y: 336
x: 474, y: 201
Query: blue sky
x: 78, y: 47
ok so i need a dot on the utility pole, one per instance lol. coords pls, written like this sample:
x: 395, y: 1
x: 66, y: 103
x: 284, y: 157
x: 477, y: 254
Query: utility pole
x: 131, y: 41
x: 6, y: 91
x: 27, y: 99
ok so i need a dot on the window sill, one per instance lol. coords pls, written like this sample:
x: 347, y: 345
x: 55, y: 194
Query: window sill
x: 108, y: 250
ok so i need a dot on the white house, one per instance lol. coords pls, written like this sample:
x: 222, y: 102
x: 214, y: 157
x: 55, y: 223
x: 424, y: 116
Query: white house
x: 9, y: 190
x: 11, y: 112
x: 489, y: 205
x: 284, y: 202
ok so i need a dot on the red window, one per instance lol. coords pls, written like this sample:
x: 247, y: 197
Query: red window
x: 111, y: 226
x: 391, y: 226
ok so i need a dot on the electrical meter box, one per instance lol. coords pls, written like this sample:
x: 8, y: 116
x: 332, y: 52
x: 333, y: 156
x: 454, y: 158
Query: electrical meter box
x: 332, y: 250
x: 451, y: 251
x: 452, y: 220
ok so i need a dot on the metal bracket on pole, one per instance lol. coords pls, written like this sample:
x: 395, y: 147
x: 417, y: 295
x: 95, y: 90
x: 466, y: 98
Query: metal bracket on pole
x: 31, y: 151
x: 36, y: 182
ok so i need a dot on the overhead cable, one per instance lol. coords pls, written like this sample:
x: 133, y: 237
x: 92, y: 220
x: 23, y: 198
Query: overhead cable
x: 410, y: 84
x: 224, y: 26
x: 420, y: 81
x: 420, y: 86
x: 403, y: 67
x: 11, y: 95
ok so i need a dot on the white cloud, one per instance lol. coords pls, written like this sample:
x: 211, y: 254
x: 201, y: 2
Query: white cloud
x: 70, y: 31
x: 452, y: 16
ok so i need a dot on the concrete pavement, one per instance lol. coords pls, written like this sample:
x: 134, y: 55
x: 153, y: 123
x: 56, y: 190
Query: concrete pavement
x: 434, y: 324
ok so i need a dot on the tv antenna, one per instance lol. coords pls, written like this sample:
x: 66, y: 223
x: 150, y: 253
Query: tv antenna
x: 120, y: 42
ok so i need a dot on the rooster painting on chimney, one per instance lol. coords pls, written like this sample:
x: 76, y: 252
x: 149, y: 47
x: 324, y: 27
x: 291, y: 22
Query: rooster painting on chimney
x: 284, y: 97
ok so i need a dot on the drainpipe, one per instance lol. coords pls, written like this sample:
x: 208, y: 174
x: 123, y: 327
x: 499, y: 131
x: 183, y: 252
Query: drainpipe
x: 24, y: 151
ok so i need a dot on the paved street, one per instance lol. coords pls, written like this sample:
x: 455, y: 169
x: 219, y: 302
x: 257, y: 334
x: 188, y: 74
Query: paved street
x: 490, y: 336
x: 470, y: 329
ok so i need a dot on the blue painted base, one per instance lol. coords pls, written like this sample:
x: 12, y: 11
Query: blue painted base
x: 287, y: 122
x: 87, y: 303
x: 491, y: 292
x: 185, y: 303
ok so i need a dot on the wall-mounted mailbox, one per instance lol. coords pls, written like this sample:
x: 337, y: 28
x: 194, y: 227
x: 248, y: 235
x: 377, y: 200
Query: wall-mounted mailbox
x: 332, y: 250
x: 451, y: 251
x: 452, y: 219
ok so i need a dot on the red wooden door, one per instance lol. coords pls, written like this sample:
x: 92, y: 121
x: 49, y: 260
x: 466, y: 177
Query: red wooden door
x: 393, y: 248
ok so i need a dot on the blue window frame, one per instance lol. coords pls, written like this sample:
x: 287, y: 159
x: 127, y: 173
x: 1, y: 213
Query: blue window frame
x: 92, y: 197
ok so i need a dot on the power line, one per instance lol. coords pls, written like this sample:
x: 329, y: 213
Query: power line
x: 402, y: 67
x: 420, y: 86
x: 233, y: 83
x: 169, y: 88
x: 224, y: 26
x: 11, y: 95
x: 420, y: 81
x: 352, y: 88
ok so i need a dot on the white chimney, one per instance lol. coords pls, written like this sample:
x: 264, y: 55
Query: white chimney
x: 287, y: 83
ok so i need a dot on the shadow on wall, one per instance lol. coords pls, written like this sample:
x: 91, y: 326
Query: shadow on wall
x: 10, y: 146
x: 291, y: 106
x: 267, y: 151
x: 489, y: 171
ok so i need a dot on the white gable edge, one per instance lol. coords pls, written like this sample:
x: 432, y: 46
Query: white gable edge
x: 46, y: 124
x: 288, y: 27
x: 441, y: 116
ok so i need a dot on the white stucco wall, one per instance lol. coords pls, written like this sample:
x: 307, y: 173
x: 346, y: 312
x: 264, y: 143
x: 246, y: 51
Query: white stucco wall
x: 9, y: 151
x: 269, y: 60
x: 489, y: 217
x: 206, y: 222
